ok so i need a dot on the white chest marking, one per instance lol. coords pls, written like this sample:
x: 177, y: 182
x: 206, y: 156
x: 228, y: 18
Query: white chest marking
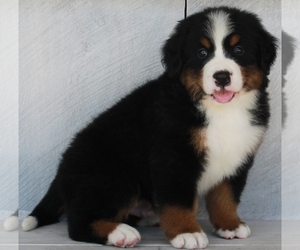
x: 230, y: 137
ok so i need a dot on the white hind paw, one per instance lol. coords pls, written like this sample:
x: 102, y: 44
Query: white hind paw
x: 11, y: 223
x: 242, y: 232
x: 124, y: 236
x: 29, y: 223
x: 190, y: 241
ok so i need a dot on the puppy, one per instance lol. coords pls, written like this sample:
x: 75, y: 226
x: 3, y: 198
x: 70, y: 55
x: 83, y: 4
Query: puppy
x: 194, y: 130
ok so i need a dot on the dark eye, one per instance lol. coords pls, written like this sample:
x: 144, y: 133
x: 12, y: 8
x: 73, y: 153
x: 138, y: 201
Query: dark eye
x: 202, y: 53
x: 239, y: 50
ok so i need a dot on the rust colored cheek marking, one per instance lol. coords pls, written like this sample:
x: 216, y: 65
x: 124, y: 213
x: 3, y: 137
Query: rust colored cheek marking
x: 198, y: 140
x: 222, y: 208
x: 252, y: 77
x: 103, y: 228
x: 176, y: 220
x: 193, y: 82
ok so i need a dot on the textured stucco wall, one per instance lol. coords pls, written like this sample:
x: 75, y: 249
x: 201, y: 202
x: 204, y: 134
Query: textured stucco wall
x: 78, y: 57
x: 8, y: 107
x: 291, y: 115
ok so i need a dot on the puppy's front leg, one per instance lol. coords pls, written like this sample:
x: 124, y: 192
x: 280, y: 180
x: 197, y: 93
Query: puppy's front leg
x: 222, y: 208
x: 181, y: 227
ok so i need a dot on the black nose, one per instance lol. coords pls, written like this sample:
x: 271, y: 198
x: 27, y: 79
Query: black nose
x: 222, y: 78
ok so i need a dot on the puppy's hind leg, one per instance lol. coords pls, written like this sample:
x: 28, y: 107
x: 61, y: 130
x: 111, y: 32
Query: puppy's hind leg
x: 116, y: 234
x: 104, y: 231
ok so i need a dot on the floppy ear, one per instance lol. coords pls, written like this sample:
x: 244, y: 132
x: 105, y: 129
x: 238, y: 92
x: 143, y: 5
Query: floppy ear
x: 268, y: 48
x: 172, y: 52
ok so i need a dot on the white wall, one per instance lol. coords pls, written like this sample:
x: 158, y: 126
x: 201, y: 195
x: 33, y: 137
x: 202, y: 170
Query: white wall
x: 78, y: 57
x: 291, y: 131
x: 8, y: 107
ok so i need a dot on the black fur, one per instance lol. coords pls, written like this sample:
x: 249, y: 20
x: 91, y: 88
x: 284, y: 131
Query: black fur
x: 140, y: 149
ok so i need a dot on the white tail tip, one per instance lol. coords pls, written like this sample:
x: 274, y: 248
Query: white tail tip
x: 29, y: 223
x: 11, y: 223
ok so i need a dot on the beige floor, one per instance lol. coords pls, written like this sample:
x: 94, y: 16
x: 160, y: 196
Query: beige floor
x: 265, y: 235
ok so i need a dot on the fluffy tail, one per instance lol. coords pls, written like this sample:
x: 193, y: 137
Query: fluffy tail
x: 47, y: 211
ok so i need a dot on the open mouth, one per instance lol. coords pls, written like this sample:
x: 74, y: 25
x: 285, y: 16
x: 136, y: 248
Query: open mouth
x: 223, y: 96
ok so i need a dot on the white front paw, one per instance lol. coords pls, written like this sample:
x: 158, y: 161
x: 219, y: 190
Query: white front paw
x: 190, y: 241
x: 124, y: 236
x: 242, y: 232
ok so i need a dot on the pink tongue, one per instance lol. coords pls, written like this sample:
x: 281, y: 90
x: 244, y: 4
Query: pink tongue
x: 223, y: 96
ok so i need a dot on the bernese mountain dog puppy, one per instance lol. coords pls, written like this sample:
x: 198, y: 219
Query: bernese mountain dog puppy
x: 194, y: 130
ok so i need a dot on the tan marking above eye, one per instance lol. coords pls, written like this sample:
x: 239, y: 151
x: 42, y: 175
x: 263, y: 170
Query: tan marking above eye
x: 234, y: 40
x: 205, y: 42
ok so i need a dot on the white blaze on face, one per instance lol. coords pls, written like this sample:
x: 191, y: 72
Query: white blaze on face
x: 219, y: 28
